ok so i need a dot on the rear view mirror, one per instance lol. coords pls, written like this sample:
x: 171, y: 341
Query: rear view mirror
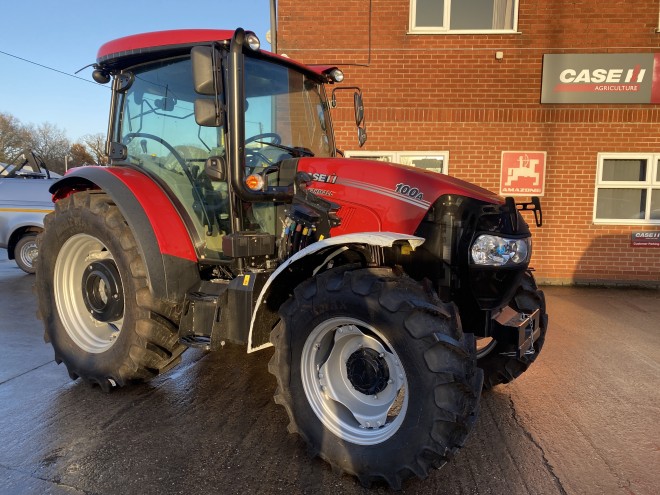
x: 166, y: 104
x: 362, y: 136
x: 216, y: 168
x: 359, y: 111
x: 359, y: 118
x: 207, y: 114
x: 207, y: 79
x: 205, y: 66
x: 359, y: 108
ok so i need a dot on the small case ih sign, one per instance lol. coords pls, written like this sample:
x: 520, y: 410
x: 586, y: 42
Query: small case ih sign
x: 523, y: 173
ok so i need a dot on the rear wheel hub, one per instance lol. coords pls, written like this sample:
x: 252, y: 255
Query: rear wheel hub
x: 102, y: 291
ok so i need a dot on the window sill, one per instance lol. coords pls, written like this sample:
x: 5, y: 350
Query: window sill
x: 465, y: 31
x: 625, y: 222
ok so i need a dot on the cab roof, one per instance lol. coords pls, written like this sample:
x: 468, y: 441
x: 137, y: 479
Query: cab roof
x: 131, y: 50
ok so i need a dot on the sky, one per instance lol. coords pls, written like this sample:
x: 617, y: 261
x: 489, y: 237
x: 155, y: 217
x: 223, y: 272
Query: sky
x: 66, y: 35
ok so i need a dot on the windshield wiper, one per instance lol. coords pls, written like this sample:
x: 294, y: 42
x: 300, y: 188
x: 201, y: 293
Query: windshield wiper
x: 295, y: 151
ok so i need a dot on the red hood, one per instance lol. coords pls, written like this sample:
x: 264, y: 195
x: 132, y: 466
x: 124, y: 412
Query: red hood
x: 382, y: 196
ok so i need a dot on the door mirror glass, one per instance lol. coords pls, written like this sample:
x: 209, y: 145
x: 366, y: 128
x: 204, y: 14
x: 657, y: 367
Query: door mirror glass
x: 362, y: 136
x: 206, y: 113
x: 359, y: 108
x: 205, y: 68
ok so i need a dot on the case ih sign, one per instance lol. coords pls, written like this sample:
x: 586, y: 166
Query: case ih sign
x: 645, y: 239
x: 522, y: 173
x: 601, y: 78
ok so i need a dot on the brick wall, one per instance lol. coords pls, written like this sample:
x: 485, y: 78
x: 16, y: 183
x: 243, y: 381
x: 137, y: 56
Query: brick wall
x: 448, y: 92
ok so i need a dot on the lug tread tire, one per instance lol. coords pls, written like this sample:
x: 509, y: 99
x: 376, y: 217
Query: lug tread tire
x: 149, y: 337
x: 447, y: 365
x: 500, y: 368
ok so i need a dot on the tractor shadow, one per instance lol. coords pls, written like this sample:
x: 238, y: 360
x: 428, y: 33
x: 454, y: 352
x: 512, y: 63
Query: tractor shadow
x: 212, y: 422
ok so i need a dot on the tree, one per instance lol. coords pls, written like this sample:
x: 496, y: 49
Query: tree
x: 51, y: 143
x: 95, y: 144
x: 14, y: 138
x: 80, y: 156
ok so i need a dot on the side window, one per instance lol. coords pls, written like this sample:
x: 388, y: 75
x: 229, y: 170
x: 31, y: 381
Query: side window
x: 627, y: 189
x: 161, y: 136
x: 450, y: 16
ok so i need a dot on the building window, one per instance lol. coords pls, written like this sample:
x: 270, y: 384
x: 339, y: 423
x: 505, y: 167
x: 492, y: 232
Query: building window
x: 627, y: 189
x: 463, y: 16
x: 435, y: 161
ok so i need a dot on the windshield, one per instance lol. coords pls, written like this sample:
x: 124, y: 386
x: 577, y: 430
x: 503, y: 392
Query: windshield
x: 286, y: 108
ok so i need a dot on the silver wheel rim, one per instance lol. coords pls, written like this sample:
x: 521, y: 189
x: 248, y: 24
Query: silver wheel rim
x: 29, y: 253
x: 359, y: 418
x: 87, y: 332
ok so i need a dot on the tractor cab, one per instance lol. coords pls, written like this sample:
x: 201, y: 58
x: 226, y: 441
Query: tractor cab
x: 176, y: 117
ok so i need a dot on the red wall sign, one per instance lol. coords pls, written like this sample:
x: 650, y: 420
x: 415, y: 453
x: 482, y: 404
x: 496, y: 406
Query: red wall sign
x: 523, y: 173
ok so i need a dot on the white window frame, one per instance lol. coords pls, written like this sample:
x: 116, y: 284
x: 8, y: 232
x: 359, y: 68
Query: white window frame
x: 395, y: 156
x: 650, y: 184
x: 445, y: 29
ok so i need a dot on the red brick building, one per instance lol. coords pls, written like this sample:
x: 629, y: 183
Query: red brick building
x: 452, y: 84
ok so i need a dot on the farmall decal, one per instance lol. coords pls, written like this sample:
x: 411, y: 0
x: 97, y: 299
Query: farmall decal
x: 522, y: 173
x: 601, y: 78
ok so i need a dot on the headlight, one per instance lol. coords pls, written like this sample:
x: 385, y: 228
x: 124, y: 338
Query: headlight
x: 337, y: 75
x: 492, y: 250
x: 252, y: 41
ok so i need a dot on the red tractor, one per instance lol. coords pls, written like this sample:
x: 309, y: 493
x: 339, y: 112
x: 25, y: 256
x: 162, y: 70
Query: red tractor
x: 391, y: 294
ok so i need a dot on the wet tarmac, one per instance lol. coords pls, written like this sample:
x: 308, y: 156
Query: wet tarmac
x: 585, y: 419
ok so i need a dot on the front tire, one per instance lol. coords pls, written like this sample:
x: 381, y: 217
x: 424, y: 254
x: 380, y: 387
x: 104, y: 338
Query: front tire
x: 497, y: 359
x: 375, y: 374
x: 94, y: 299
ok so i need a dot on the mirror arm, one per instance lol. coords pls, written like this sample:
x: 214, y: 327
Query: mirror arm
x: 333, y: 101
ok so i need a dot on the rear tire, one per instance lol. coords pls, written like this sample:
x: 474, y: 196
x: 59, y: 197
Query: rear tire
x: 26, y: 252
x: 94, y: 299
x: 496, y: 358
x: 375, y: 375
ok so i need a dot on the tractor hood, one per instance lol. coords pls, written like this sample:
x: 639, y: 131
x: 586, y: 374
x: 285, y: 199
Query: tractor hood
x: 382, y: 196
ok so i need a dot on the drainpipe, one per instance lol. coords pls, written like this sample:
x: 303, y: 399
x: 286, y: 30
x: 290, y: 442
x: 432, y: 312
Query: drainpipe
x: 273, y: 26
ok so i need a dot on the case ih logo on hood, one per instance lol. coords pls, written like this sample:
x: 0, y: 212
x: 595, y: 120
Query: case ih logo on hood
x: 601, y: 78
x: 330, y: 179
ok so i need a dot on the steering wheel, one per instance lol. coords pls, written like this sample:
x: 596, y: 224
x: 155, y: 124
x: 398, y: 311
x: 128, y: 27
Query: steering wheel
x: 132, y: 135
x: 277, y: 139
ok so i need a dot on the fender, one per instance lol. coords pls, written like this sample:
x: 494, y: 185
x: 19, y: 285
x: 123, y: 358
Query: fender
x: 307, y: 263
x: 161, y: 235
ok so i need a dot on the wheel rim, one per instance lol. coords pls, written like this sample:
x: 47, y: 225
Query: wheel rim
x: 354, y: 381
x: 29, y: 253
x: 88, y: 293
x: 485, y: 345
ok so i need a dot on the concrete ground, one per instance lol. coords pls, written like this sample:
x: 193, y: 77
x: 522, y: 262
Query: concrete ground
x: 585, y: 419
